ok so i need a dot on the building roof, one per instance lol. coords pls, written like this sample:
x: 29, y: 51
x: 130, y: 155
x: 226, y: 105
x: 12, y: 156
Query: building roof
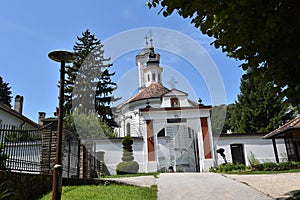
x: 292, y: 124
x: 225, y: 135
x: 154, y: 90
x: 7, y: 109
x: 147, y: 50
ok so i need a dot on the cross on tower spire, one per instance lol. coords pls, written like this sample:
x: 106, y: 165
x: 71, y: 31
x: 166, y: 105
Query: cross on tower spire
x: 172, y: 82
x: 151, y: 39
x: 146, y: 37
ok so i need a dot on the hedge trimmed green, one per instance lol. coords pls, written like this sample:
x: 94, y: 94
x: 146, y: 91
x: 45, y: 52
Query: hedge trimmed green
x: 128, y: 166
x: 276, y: 166
x: 228, y: 167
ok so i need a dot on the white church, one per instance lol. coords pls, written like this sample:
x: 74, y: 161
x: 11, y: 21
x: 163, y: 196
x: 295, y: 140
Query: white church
x: 176, y: 132
x: 170, y: 131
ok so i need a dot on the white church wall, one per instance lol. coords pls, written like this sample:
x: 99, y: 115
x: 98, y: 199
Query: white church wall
x: 183, y: 101
x: 262, y: 149
x: 113, y: 151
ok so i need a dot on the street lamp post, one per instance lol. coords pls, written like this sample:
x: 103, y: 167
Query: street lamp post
x: 63, y: 57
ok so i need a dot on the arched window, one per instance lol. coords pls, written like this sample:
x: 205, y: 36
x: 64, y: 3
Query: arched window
x: 153, y: 77
x: 148, y: 77
x: 128, y: 129
x: 174, y: 102
x: 158, y: 77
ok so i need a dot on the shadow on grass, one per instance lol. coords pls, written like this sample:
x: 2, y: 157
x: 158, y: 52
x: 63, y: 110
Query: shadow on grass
x: 295, y: 194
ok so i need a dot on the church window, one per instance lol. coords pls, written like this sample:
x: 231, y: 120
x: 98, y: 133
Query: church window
x: 148, y: 77
x: 158, y: 77
x: 174, y: 102
x: 128, y: 129
x: 153, y: 77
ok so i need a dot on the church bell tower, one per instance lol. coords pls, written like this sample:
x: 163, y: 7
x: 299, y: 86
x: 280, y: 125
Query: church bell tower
x: 147, y: 62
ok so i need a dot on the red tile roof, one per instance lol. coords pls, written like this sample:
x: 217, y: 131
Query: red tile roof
x: 154, y: 90
x: 18, y: 115
x: 294, y: 123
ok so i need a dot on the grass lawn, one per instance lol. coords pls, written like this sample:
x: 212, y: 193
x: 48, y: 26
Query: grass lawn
x: 111, y: 192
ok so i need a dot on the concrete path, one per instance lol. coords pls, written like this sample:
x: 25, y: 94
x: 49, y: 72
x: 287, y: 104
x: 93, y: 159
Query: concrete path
x: 278, y: 186
x: 216, y: 186
x: 194, y: 186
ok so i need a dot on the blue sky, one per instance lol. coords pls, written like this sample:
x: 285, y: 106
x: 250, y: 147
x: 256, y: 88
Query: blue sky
x: 31, y: 29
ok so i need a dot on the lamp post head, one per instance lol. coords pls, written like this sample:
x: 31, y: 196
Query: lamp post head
x: 62, y: 56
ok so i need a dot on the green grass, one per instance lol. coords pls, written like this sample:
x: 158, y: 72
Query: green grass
x: 155, y: 174
x: 263, y: 172
x: 111, y: 192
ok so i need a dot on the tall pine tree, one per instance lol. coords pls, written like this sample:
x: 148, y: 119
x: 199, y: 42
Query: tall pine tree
x: 260, y: 107
x: 88, y: 84
x: 5, y: 93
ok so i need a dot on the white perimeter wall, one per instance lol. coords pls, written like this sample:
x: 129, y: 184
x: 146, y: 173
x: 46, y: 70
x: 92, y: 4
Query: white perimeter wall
x: 113, y: 153
x: 261, y: 148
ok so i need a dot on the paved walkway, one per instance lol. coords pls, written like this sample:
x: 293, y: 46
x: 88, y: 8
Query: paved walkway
x: 278, y: 186
x: 194, y: 186
x: 216, y: 186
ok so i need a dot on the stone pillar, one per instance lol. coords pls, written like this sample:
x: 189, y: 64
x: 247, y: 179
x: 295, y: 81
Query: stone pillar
x: 48, y: 154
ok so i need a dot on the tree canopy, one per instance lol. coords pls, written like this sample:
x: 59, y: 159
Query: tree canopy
x: 5, y: 93
x: 262, y: 34
x: 88, y: 85
x: 260, y: 107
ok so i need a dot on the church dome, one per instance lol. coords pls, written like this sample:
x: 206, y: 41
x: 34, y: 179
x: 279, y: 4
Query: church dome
x: 146, y: 50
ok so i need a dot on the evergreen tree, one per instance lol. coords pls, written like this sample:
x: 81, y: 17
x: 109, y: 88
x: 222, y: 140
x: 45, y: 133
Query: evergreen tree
x: 260, y: 107
x: 5, y: 93
x: 88, y: 84
x: 218, y: 114
x: 104, y: 90
x: 228, y: 123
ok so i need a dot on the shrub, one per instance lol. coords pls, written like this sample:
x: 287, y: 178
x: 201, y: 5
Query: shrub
x: 269, y: 166
x: 3, y: 157
x: 228, y: 167
x: 128, y: 167
x: 252, y: 160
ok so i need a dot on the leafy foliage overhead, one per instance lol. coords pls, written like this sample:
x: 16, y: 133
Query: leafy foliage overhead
x: 263, y: 34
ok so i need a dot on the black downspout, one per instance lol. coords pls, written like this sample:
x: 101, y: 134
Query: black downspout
x: 275, y: 150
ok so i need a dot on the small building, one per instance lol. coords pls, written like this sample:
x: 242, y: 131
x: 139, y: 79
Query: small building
x: 239, y: 147
x: 290, y: 133
x: 14, y: 118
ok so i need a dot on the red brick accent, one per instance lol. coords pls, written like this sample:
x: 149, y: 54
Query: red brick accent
x: 205, y: 138
x: 150, y: 140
